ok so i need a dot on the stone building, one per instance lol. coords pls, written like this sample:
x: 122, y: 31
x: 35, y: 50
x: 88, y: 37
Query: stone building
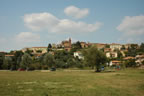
x: 66, y: 44
x: 36, y: 49
x: 115, y: 46
x: 84, y: 44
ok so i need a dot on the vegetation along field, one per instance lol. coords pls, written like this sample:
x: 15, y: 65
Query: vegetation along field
x: 129, y: 82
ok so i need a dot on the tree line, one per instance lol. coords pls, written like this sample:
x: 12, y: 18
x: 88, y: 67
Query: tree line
x: 60, y: 59
x: 93, y: 58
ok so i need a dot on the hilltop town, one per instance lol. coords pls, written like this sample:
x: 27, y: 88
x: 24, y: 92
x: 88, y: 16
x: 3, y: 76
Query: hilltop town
x: 117, y: 53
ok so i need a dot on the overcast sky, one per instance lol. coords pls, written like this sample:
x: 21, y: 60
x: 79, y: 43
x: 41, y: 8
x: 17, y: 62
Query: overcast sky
x: 27, y: 23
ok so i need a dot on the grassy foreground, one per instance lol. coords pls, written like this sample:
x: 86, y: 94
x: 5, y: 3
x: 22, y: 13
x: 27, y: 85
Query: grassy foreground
x: 128, y: 82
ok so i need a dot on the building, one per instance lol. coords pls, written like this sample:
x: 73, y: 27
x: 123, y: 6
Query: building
x: 139, y: 59
x: 78, y: 54
x: 111, y: 54
x: 128, y: 58
x: 127, y: 46
x: 9, y: 55
x: 107, y: 49
x: 115, y: 46
x: 66, y: 44
x: 84, y: 44
x: 54, y: 46
x: 115, y: 63
x: 100, y: 45
x: 35, y: 50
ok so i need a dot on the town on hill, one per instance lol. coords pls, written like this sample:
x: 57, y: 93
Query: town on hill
x: 68, y: 54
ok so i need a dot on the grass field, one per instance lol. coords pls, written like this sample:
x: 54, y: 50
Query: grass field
x: 128, y: 82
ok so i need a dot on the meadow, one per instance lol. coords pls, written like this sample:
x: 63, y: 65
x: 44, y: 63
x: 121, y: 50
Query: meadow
x: 129, y: 82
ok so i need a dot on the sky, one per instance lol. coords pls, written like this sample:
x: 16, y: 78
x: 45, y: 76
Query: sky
x: 32, y: 23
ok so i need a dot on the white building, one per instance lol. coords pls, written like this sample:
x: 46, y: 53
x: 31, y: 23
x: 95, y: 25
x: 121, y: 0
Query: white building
x: 139, y: 59
x: 36, y: 49
x: 114, y: 46
x: 111, y: 54
x: 115, y: 63
x: 78, y: 54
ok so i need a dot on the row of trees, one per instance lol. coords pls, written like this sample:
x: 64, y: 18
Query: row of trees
x: 93, y: 58
x: 10, y: 62
x: 60, y: 59
x: 134, y: 50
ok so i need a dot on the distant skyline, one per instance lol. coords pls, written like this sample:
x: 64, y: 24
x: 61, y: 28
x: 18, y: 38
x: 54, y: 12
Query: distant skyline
x: 28, y: 23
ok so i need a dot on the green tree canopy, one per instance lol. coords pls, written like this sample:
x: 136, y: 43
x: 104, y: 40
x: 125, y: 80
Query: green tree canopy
x: 49, y: 48
x: 123, y: 47
x: 1, y: 59
x: 130, y: 63
x: 76, y: 46
x: 142, y: 47
x: 132, y: 50
x: 29, y: 52
x: 119, y: 54
x: 49, y: 60
x: 7, y: 64
x: 17, y: 59
x: 63, y: 58
x: 26, y: 61
x: 95, y: 57
x: 107, y: 46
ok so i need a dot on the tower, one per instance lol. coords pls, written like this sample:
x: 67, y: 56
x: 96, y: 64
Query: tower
x: 70, y: 42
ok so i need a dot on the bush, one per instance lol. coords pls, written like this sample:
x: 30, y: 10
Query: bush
x: 130, y: 63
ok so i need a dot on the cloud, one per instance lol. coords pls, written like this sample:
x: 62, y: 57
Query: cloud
x: 38, y: 21
x: 76, y: 12
x: 132, y: 28
x: 66, y: 25
x: 19, y: 41
x: 47, y: 21
x: 27, y: 37
x: 132, y: 25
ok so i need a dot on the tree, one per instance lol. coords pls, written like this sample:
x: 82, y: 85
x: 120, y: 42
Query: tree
x: 74, y: 62
x: 142, y: 62
x: 17, y: 59
x: 141, y: 47
x: 29, y: 52
x: 95, y: 58
x: 1, y: 59
x: 76, y: 46
x: 70, y: 63
x: 7, y: 63
x: 49, y: 48
x: 107, y: 46
x: 60, y: 64
x: 26, y: 61
x: 119, y: 54
x: 132, y: 50
x: 130, y: 63
x: 123, y: 47
x: 63, y: 58
x: 78, y: 63
x: 48, y: 60
x: 37, y: 63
